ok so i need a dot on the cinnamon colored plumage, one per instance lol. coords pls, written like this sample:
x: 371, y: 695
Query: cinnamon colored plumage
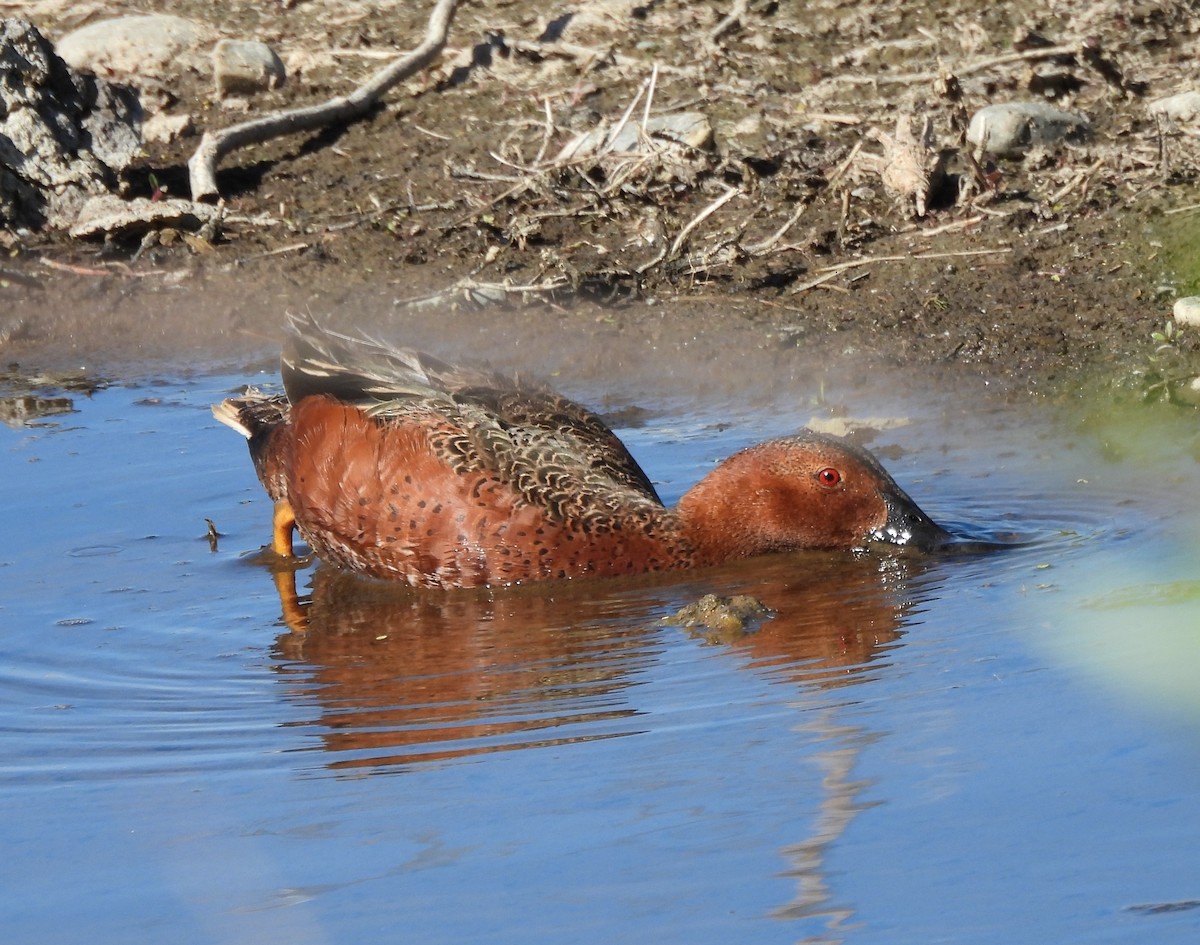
x: 400, y: 466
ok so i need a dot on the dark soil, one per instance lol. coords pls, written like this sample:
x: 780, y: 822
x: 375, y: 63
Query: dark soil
x: 1031, y: 273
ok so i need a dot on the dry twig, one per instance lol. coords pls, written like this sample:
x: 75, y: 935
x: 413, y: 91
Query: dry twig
x: 966, y: 68
x: 1081, y: 178
x: 829, y: 272
x: 730, y: 193
x: 765, y: 246
x: 731, y: 20
x: 202, y: 166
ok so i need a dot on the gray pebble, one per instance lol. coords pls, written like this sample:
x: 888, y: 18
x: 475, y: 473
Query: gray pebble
x: 1011, y: 129
x: 63, y: 135
x: 244, y: 67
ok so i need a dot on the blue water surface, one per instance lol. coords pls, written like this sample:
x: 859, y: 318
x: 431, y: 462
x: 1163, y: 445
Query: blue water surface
x: 989, y: 749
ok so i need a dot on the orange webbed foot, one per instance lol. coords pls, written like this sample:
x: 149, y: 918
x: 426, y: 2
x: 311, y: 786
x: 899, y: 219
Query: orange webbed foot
x: 284, y: 522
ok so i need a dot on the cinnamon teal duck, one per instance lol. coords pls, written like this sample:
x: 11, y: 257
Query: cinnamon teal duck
x: 403, y: 467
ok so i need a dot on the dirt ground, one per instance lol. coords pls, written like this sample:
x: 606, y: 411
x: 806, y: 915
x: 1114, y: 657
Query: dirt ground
x: 453, y: 212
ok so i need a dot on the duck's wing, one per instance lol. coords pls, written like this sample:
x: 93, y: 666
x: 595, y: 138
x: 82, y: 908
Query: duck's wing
x: 532, y: 436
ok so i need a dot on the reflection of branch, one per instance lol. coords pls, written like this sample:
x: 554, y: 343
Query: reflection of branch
x: 841, y: 804
x: 485, y: 292
x: 202, y: 166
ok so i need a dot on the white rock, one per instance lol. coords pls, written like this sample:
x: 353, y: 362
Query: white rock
x: 242, y: 67
x: 1012, y: 128
x: 1182, y: 108
x: 1189, y: 393
x: 165, y: 128
x: 137, y: 48
x: 1187, y: 310
x: 109, y: 215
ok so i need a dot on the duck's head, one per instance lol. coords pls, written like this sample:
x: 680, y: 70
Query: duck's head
x: 805, y: 491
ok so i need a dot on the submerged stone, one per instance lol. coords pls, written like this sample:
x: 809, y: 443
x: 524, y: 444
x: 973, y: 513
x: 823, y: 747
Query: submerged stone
x: 719, y: 619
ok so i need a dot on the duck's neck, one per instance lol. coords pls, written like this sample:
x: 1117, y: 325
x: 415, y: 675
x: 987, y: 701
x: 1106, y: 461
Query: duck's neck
x: 719, y: 516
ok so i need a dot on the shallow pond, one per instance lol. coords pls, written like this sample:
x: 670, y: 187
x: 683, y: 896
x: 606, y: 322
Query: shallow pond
x: 983, y: 749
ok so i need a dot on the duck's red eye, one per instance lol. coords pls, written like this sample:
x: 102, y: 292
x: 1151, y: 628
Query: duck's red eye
x: 829, y: 476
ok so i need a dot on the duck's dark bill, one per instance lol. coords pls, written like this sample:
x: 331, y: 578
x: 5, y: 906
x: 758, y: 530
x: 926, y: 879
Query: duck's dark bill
x: 909, y: 527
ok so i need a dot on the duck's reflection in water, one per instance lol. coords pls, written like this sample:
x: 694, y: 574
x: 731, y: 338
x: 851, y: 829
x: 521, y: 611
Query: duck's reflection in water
x: 403, y: 676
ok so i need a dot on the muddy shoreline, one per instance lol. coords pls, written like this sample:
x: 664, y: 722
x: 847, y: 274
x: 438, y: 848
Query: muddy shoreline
x: 1042, y: 275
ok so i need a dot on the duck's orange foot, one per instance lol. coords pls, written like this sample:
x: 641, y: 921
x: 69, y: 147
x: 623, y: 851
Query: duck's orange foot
x: 284, y: 522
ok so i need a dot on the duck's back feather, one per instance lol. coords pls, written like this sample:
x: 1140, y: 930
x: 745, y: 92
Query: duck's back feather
x: 555, y: 452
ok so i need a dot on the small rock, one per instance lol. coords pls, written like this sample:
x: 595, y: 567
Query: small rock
x: 110, y: 216
x: 163, y: 128
x: 139, y: 49
x: 246, y: 67
x: 1011, y: 129
x: 1182, y: 108
x: 1188, y: 393
x: 1186, y: 311
x: 687, y: 128
x: 745, y: 137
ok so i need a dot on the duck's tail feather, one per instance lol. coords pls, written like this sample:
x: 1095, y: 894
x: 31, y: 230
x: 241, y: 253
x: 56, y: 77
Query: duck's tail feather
x: 360, y: 369
x: 253, y: 414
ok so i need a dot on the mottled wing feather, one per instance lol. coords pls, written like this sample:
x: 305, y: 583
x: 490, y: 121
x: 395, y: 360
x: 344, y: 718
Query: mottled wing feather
x: 591, y: 445
x: 557, y: 454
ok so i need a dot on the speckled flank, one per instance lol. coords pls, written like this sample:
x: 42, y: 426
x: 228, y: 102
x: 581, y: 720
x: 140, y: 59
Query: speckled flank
x: 421, y: 499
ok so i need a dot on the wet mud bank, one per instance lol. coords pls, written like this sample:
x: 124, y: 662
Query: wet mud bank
x: 826, y: 206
